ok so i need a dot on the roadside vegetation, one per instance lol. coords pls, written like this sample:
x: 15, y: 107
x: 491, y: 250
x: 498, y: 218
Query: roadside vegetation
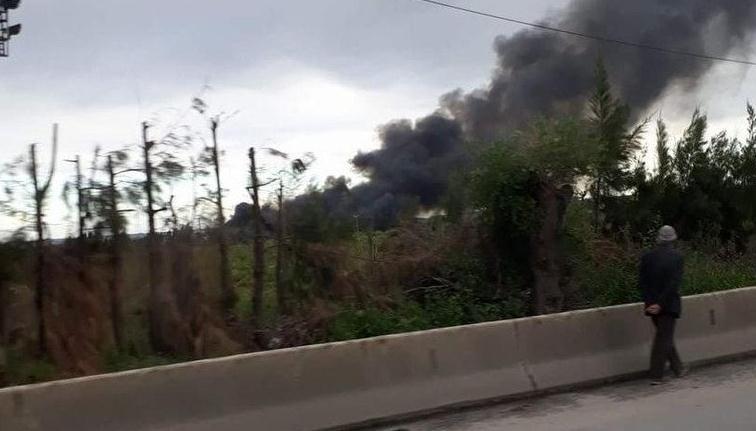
x: 550, y: 218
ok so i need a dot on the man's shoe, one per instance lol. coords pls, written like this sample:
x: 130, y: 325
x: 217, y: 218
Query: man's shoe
x: 657, y: 382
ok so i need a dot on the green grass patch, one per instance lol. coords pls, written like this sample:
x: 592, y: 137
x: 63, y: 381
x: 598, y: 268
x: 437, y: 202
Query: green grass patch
x: 22, y: 370
x: 241, y: 276
x: 115, y: 361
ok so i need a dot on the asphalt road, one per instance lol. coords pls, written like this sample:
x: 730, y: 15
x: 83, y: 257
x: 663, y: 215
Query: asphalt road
x: 720, y: 398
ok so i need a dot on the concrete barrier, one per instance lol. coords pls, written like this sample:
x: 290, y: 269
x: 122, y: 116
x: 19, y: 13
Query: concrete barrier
x: 340, y: 384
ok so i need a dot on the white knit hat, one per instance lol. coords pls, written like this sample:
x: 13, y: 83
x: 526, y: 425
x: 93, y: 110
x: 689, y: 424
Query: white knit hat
x: 666, y: 234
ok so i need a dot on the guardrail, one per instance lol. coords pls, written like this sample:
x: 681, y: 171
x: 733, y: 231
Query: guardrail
x: 338, y: 385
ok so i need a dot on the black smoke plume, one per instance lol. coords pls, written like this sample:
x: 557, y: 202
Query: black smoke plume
x: 414, y: 161
x: 545, y: 73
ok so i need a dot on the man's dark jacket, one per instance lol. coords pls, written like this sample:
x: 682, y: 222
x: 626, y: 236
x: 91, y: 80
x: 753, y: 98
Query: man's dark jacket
x: 661, y: 272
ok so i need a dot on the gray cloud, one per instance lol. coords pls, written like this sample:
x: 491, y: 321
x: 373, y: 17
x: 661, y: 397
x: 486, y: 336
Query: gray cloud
x: 84, y: 51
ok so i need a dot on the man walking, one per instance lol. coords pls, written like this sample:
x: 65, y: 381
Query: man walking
x: 661, y: 272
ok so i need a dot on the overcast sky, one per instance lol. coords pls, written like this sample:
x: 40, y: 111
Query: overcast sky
x: 305, y: 75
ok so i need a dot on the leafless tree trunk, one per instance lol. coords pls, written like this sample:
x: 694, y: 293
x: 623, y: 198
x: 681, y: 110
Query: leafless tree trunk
x: 281, y: 294
x: 40, y: 194
x: 545, y: 248
x: 81, y: 254
x: 258, y: 248
x: 3, y: 336
x: 81, y: 211
x: 229, y: 296
x: 41, y: 291
x: 597, y: 199
x: 154, y: 266
x: 3, y: 304
x: 116, y: 258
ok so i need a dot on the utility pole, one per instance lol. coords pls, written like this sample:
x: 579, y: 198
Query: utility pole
x: 7, y: 31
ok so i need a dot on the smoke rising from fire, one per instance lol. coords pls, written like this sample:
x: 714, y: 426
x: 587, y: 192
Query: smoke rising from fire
x: 545, y: 73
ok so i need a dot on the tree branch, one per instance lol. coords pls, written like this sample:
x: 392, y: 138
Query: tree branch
x: 46, y: 187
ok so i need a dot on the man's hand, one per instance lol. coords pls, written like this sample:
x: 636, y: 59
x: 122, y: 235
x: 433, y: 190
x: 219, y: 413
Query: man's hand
x: 653, y: 309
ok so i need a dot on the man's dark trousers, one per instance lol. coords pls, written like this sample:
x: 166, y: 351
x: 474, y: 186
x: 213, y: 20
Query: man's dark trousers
x: 664, y: 349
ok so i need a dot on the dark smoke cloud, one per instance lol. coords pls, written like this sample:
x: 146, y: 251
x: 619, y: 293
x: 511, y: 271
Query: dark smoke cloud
x: 543, y: 73
x: 413, y: 160
x: 410, y: 171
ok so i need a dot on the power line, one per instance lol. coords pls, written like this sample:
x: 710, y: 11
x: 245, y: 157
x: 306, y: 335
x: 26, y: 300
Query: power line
x: 591, y: 36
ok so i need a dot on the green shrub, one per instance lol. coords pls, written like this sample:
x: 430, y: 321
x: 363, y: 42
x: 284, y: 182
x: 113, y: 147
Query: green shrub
x: 353, y: 323
x: 21, y: 370
x: 705, y: 273
x: 115, y: 361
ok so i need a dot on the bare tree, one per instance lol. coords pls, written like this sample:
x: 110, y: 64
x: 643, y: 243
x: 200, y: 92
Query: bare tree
x: 100, y: 205
x: 288, y: 178
x: 37, y: 193
x: 211, y: 156
x: 84, y: 195
x: 78, y: 185
x: 159, y: 165
x: 41, y: 190
x: 229, y: 296
x: 154, y: 253
x: 115, y: 166
x: 258, y: 247
x: 281, y: 296
x: 116, y: 258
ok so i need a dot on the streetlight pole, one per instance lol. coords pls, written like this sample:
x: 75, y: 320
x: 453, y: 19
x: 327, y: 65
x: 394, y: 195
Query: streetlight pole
x: 7, y: 31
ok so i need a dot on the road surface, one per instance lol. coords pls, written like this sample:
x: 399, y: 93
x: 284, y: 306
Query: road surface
x: 721, y: 398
